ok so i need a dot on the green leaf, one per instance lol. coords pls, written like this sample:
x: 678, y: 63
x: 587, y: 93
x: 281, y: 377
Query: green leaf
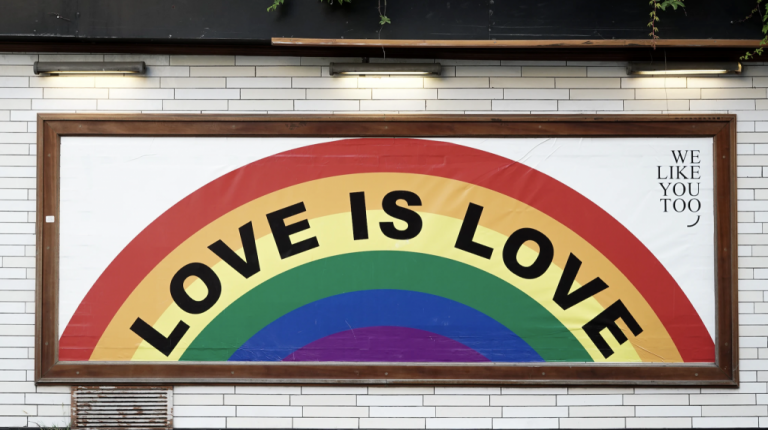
x: 384, y: 20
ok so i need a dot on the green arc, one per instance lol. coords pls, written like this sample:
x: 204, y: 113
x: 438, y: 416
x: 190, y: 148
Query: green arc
x: 376, y: 270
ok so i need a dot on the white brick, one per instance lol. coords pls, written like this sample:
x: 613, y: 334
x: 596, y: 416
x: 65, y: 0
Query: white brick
x: 599, y: 72
x: 456, y: 400
x: 198, y: 422
x: 590, y: 105
x: 587, y: 83
x: 401, y: 412
x: 613, y: 94
x: 141, y: 93
x: 149, y: 59
x: 204, y: 411
x: 202, y: 60
x: 288, y: 71
x: 591, y: 423
x: 462, y: 105
x: 74, y: 93
x: 256, y: 399
x: 21, y: 93
x: 720, y: 105
x: 273, y: 94
x: 658, y: 423
x: 18, y: 59
x: 667, y: 93
x: 656, y: 399
x: 126, y: 105
x: 555, y: 71
x: 17, y: 82
x: 487, y: 71
x: 112, y: 82
x: 733, y: 93
x: 195, y: 104
x: 536, y: 94
x: 371, y: 400
x: 326, y: 400
x: 525, y: 105
x: 719, y: 399
x: 198, y: 399
x: 536, y: 412
x: 258, y: 82
x: 468, y: 412
x: 600, y: 411
x: 520, y: 400
x: 456, y: 82
x: 725, y: 422
x: 166, y: 72
x: 16, y: 71
x: 534, y: 390
x: 262, y: 422
x: 338, y: 94
x: 392, y: 423
x: 590, y: 400
x: 404, y: 94
x: 719, y: 82
x: 392, y: 105
x: 314, y: 423
x: 459, y: 423
x: 734, y: 411
x: 193, y: 82
x: 69, y: 105
x: 207, y: 94
x: 375, y: 390
x: 335, y: 411
x: 269, y: 411
x: 324, y: 105
x: 324, y: 83
x: 260, y: 105
x: 525, y: 423
x: 203, y: 389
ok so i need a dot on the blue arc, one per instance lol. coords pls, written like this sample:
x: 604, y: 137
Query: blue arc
x: 395, y: 308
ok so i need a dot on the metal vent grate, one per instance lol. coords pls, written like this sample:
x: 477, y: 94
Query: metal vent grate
x: 122, y: 407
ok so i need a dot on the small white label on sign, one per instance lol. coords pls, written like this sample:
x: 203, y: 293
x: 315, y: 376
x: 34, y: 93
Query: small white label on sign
x: 49, y: 218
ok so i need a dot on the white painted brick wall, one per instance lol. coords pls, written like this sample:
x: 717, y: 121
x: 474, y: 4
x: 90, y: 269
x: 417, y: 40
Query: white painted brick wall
x: 277, y: 85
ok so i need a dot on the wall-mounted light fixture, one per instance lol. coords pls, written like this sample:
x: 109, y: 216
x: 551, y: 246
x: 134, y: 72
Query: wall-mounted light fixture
x: 422, y: 69
x: 684, y: 68
x: 78, y: 67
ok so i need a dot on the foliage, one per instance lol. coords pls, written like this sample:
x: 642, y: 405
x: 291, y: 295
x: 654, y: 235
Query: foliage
x: 663, y: 5
x: 764, y: 18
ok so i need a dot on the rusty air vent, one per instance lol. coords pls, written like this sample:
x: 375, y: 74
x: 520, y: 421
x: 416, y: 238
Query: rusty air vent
x: 122, y: 407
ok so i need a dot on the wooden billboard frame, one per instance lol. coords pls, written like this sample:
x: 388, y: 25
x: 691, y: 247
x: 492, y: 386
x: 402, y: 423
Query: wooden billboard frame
x: 52, y: 127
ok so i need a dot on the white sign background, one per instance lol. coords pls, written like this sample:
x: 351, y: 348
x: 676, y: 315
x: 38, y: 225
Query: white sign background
x: 113, y: 187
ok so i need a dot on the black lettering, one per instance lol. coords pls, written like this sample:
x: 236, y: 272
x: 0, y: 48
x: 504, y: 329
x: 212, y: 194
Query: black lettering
x: 665, y: 203
x: 677, y: 191
x: 389, y: 204
x: 282, y: 233
x: 563, y: 295
x: 359, y: 216
x: 680, y: 172
x: 695, y: 157
x: 665, y: 189
x: 157, y: 340
x: 607, y: 319
x: 690, y: 188
x: 690, y: 205
x: 695, y: 172
x: 658, y: 169
x: 465, y: 240
x: 543, y: 260
x: 680, y: 156
x: 209, y: 278
x: 247, y: 267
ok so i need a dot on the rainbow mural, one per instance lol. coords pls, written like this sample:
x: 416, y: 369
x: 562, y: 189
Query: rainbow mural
x: 386, y: 250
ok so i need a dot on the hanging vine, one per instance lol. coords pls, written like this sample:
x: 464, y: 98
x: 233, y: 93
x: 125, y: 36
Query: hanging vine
x: 655, y: 6
x: 383, y: 19
x: 764, y: 19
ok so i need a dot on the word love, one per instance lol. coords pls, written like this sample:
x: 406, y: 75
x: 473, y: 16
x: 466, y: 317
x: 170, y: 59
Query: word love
x: 248, y: 265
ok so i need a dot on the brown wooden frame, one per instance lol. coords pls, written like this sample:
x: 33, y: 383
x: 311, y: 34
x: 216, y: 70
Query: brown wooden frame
x: 722, y: 128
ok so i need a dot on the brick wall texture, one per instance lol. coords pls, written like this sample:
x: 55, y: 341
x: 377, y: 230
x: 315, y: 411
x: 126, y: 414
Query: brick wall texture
x: 279, y: 85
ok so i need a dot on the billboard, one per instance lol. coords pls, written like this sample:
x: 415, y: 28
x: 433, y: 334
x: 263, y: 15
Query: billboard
x: 420, y: 253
